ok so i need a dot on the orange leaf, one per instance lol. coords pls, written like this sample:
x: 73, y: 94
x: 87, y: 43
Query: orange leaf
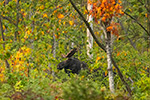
x: 98, y: 58
x: 60, y: 16
x: 104, y: 19
x: 109, y: 28
x: 125, y: 54
x: 146, y: 15
x: 118, y: 53
x: 106, y: 73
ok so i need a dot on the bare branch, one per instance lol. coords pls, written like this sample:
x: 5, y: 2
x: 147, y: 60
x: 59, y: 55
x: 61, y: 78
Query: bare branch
x: 88, y: 26
x: 9, y: 19
x: 144, y: 5
x: 138, y: 23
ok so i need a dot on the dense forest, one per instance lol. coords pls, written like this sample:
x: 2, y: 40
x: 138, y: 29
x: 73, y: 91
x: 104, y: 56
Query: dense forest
x: 74, y: 49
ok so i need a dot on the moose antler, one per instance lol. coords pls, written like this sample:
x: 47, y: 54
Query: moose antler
x: 70, y: 53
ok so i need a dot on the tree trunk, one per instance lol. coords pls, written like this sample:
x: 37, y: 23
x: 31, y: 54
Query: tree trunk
x: 148, y: 24
x: 89, y: 36
x: 148, y: 28
x: 54, y: 46
x: 31, y: 40
x: 17, y: 21
x: 3, y: 37
x: 109, y: 61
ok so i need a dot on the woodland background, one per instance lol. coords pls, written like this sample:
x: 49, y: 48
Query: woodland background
x: 35, y: 33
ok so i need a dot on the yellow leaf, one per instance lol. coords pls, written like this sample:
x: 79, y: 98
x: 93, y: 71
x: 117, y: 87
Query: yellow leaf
x: 28, y: 50
x: 106, y: 73
x: 45, y: 15
x: 71, y: 23
x: 42, y: 7
x: 64, y: 23
x: 22, y: 10
x: 42, y: 32
x: 28, y: 32
x: 130, y: 9
x: 55, y: 11
x: 60, y: 16
x: 25, y: 36
x: 85, y: 11
x: 4, y: 27
x: 24, y: 14
x: 98, y: 58
x: 146, y: 15
x: 125, y: 54
x: 10, y: 41
x: 82, y: 76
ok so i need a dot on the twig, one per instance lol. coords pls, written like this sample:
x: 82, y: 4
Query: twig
x: 137, y: 23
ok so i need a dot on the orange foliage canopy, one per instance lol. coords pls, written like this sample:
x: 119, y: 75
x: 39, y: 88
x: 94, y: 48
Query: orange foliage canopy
x: 105, y: 10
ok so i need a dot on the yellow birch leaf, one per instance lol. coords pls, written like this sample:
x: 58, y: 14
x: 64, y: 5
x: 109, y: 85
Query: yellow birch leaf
x: 45, y: 15
x: 85, y: 11
x: 55, y: 11
x: 106, y: 73
x: 28, y: 32
x: 71, y: 23
x: 42, y: 7
x: 25, y: 36
x: 4, y: 27
x: 42, y: 32
x: 22, y: 10
x: 64, y: 23
x: 146, y: 15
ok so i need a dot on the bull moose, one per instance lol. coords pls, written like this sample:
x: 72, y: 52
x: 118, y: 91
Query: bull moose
x: 72, y: 65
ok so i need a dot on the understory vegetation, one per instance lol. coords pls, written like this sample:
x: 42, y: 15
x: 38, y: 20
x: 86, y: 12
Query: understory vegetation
x: 35, y: 34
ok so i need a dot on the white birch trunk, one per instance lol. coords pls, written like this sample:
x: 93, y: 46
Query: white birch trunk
x: 54, y: 45
x: 109, y: 61
x: 89, y: 36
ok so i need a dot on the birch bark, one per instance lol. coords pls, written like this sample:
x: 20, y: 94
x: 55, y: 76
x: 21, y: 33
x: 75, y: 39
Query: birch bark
x: 89, y: 36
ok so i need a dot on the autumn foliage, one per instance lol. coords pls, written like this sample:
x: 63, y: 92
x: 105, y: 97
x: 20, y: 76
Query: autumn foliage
x: 105, y: 10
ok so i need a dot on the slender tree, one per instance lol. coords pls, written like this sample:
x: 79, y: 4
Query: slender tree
x: 148, y: 23
x: 3, y: 37
x: 17, y: 21
x: 89, y: 36
x: 148, y: 27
